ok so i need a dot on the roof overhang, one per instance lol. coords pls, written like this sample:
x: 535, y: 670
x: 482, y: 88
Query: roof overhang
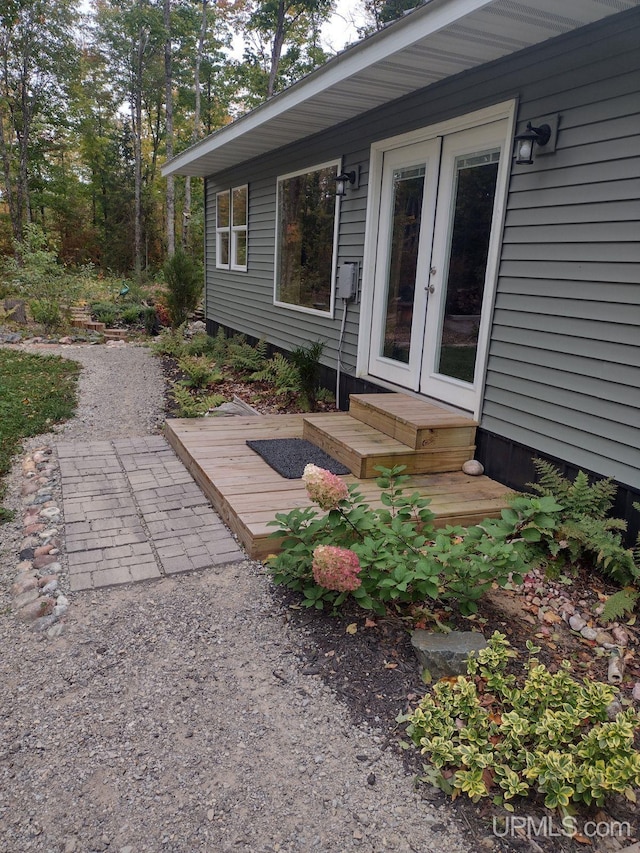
x: 431, y: 43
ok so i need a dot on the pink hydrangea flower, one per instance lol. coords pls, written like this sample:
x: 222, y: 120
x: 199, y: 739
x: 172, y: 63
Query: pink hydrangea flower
x: 323, y: 487
x: 336, y: 568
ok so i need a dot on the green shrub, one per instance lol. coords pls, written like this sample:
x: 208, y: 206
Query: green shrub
x: 582, y: 531
x: 104, y: 312
x: 200, y: 371
x: 47, y: 313
x: 307, y: 362
x: 150, y: 320
x: 545, y: 733
x: 36, y: 274
x: 242, y: 357
x: 191, y: 406
x: 131, y: 315
x: 184, y: 286
x: 169, y: 342
x: 203, y: 344
x: 403, y: 558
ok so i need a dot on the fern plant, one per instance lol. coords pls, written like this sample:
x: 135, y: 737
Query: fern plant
x: 279, y: 370
x: 200, y: 371
x: 620, y: 604
x: 584, y: 532
x: 243, y: 358
x: 191, y: 406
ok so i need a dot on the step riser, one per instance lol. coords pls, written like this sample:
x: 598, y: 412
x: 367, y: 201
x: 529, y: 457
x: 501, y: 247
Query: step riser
x: 363, y: 466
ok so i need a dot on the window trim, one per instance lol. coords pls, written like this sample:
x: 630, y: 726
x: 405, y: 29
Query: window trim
x: 337, y: 164
x: 239, y: 229
x: 230, y: 230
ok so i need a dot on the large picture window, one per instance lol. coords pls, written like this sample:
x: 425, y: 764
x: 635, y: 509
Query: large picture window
x: 231, y: 229
x: 306, y: 237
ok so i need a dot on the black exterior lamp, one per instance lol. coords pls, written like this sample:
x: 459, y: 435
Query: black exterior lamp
x: 527, y: 140
x: 346, y: 178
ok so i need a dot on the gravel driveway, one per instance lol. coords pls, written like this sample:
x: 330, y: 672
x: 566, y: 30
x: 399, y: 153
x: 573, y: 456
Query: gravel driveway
x: 174, y: 715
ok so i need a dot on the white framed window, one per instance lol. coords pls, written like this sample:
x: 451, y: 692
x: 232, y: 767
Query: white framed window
x: 306, y: 239
x: 231, y: 228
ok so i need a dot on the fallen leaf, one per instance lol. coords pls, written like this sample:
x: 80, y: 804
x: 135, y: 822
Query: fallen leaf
x: 369, y: 623
x: 580, y: 838
x: 426, y: 677
x: 352, y: 628
x: 390, y: 665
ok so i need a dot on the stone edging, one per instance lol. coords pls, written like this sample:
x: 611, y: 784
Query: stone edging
x: 37, y: 597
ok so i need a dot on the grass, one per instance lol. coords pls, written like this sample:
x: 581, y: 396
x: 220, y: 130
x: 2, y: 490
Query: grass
x: 35, y: 393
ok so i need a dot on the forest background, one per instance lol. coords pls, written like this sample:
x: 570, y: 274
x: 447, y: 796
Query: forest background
x: 96, y: 94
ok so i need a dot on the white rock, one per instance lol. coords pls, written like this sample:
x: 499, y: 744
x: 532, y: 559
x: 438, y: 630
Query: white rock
x: 50, y: 513
x: 636, y: 691
x: 473, y: 468
x: 589, y: 633
x: 576, y: 622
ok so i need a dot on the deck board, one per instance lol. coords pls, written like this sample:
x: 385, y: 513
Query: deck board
x: 247, y: 493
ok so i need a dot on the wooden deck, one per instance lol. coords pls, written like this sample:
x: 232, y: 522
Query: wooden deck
x: 247, y: 493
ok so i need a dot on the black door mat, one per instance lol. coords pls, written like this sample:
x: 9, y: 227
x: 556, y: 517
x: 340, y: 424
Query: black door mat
x: 288, y: 456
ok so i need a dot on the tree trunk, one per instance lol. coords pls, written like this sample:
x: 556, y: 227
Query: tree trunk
x: 276, y: 51
x: 168, y: 80
x: 137, y: 152
x: 186, y: 215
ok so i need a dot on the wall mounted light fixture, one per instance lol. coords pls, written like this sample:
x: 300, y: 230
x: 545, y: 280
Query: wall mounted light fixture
x: 528, y: 140
x: 345, y: 178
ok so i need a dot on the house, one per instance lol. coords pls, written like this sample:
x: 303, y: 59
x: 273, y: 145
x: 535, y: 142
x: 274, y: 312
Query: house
x: 498, y: 277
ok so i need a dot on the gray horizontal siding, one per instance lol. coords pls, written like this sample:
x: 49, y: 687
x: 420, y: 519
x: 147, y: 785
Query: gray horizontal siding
x: 564, y: 363
x: 564, y: 366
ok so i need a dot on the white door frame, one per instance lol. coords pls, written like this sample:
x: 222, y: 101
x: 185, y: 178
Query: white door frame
x: 505, y: 110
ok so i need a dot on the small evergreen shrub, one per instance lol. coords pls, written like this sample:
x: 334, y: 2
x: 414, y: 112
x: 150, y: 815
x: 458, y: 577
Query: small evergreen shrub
x: 184, y: 283
x: 104, y: 312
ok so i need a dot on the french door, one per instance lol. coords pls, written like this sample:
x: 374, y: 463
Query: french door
x: 438, y: 232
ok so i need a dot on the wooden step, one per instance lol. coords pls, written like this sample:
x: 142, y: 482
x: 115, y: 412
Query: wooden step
x: 362, y: 448
x: 115, y: 334
x: 413, y: 422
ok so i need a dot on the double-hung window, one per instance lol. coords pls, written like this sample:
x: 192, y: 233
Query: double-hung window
x: 231, y: 229
x: 306, y: 238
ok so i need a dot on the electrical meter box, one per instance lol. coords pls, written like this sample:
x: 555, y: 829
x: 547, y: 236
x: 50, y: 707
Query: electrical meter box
x: 347, y: 280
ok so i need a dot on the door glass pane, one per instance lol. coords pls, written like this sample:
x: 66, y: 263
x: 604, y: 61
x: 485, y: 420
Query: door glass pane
x: 408, y: 189
x: 473, y: 196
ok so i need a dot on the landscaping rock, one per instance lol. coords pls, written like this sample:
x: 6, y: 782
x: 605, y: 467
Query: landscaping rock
x: 576, y: 622
x: 18, y: 314
x: 473, y: 468
x: 446, y: 654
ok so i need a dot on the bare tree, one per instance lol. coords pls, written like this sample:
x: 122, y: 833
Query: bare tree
x: 168, y: 79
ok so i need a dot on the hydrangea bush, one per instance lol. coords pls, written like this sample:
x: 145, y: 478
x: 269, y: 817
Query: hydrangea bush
x: 401, y: 557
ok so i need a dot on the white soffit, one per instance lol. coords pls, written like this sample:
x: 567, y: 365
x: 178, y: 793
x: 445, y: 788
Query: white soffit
x: 435, y: 41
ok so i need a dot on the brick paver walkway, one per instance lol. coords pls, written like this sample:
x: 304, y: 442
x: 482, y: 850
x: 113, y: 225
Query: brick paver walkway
x: 133, y: 512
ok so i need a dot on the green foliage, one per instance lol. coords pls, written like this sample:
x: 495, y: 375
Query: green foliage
x: 184, y: 282
x: 169, y: 342
x: 545, y: 733
x: 307, y: 362
x: 104, y: 312
x: 150, y: 320
x: 404, y: 559
x: 203, y: 344
x: 620, y: 604
x: 191, y: 406
x: 36, y: 274
x: 47, y: 313
x: 35, y: 393
x: 279, y: 370
x: 131, y: 315
x: 582, y: 532
x: 243, y: 358
x: 200, y: 371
